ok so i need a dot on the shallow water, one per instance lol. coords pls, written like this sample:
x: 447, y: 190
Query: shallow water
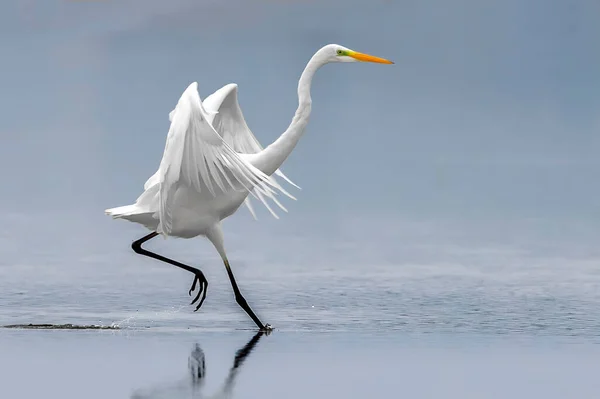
x: 160, y: 364
x: 482, y: 324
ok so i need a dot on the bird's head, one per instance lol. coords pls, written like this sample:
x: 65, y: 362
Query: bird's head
x: 337, y: 53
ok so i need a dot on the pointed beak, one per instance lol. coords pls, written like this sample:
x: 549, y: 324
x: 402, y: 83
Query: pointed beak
x: 368, y: 58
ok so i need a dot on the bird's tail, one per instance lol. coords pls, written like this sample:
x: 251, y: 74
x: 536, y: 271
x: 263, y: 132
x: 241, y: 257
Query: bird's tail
x: 121, y: 211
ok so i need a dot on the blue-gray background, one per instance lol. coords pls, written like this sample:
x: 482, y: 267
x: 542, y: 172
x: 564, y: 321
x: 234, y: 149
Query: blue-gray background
x: 453, y: 192
x: 488, y: 120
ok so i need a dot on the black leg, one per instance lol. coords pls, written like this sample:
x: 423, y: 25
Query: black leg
x: 239, y: 298
x: 198, y: 275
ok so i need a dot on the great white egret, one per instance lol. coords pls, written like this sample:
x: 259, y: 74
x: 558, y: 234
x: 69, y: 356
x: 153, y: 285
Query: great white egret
x: 212, y: 162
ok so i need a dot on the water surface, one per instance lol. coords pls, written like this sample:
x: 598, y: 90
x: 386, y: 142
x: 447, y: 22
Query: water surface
x: 483, y: 327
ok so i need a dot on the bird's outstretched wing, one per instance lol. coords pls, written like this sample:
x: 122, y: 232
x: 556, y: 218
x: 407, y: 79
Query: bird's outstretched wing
x: 197, y: 156
x: 227, y: 119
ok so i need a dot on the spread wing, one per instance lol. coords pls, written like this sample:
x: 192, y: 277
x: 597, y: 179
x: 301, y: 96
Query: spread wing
x: 197, y: 156
x: 228, y: 120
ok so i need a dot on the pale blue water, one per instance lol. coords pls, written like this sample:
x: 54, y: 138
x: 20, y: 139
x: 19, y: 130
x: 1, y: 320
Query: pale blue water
x: 458, y: 323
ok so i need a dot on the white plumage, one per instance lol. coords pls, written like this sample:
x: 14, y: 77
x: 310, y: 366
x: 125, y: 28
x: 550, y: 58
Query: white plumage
x: 204, y: 154
x: 211, y: 164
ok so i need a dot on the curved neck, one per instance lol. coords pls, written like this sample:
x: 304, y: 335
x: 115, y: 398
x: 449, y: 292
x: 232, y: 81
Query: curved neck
x: 273, y: 156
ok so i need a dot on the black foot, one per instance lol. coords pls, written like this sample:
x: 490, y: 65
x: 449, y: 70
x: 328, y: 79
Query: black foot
x: 203, y: 287
x: 267, y: 329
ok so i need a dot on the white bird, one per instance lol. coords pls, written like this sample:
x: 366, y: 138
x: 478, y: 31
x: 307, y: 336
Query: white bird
x: 211, y: 164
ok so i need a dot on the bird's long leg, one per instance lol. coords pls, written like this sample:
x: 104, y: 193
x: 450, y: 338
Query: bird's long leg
x: 239, y: 298
x: 198, y: 275
x: 215, y: 235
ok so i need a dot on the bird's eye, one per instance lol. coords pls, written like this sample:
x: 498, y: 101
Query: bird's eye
x: 339, y: 52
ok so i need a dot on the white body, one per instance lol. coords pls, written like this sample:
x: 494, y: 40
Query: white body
x: 194, y: 209
x: 195, y: 212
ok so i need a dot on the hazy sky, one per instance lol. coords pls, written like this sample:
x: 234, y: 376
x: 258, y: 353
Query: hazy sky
x: 489, y: 121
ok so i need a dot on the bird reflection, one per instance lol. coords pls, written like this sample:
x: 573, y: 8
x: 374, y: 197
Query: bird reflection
x: 191, y: 386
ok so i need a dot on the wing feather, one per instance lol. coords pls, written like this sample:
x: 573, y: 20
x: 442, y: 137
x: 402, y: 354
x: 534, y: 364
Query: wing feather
x: 198, y: 156
x: 227, y: 119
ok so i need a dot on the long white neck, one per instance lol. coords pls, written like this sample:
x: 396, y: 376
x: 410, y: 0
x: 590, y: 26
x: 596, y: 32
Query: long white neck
x: 273, y: 156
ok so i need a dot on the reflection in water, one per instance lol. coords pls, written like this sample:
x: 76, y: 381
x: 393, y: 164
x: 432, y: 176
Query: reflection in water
x: 190, y: 387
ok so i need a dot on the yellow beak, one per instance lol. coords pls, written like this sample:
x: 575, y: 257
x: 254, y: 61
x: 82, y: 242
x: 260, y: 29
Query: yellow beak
x: 368, y: 58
